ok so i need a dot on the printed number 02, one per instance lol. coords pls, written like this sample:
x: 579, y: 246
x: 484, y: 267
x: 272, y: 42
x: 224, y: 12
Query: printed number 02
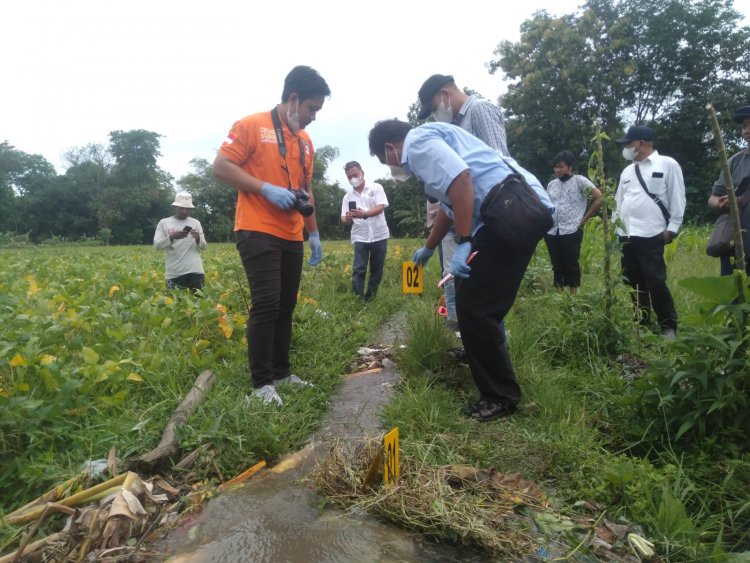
x: 412, y: 277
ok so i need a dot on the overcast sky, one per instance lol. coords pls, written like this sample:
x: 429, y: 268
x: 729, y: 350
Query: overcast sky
x: 73, y: 71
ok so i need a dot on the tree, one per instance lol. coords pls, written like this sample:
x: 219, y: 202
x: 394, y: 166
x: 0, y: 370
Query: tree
x: 23, y: 178
x: 139, y: 193
x: 620, y: 63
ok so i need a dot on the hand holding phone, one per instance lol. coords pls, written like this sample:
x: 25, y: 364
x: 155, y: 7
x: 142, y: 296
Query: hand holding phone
x: 187, y: 229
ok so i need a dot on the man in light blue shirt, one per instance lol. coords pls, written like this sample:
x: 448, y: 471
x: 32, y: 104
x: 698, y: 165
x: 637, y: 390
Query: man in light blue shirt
x: 459, y: 171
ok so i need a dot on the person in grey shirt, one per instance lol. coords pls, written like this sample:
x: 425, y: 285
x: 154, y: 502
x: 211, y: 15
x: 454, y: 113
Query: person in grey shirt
x: 739, y: 165
x: 447, y: 103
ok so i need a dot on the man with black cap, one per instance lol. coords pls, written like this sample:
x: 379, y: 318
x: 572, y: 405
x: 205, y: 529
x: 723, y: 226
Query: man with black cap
x: 440, y: 97
x: 650, y: 204
x: 739, y: 165
x: 447, y: 103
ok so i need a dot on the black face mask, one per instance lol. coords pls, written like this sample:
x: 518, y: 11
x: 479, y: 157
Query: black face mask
x: 565, y: 177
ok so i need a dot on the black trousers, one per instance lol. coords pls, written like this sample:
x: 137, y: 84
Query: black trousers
x: 186, y: 281
x: 644, y: 270
x: 273, y: 267
x: 564, y: 253
x: 482, y: 301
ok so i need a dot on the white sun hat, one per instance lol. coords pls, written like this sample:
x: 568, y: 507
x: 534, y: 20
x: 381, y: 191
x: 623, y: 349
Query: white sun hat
x: 184, y: 199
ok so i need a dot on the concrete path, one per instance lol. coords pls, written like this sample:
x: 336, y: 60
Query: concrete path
x: 274, y: 518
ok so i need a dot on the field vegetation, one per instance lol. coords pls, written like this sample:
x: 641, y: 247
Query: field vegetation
x: 95, y: 354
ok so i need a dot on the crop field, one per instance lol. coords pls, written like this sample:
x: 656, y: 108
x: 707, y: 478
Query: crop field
x: 95, y: 354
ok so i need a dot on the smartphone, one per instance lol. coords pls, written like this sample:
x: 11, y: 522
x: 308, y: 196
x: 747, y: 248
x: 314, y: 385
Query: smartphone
x: 352, y: 205
x: 187, y: 229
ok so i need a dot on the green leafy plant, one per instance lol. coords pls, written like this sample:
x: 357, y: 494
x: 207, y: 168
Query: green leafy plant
x: 702, y: 388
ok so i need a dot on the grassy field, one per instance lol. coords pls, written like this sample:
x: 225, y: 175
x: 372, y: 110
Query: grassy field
x: 95, y: 354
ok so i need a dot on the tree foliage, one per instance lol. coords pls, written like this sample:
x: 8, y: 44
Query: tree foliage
x: 619, y: 63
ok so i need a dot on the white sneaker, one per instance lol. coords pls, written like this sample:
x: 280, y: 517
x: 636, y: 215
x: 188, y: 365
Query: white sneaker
x: 669, y: 333
x: 268, y: 395
x: 292, y: 380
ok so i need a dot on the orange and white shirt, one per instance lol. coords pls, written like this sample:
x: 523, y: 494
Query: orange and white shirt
x: 252, y: 145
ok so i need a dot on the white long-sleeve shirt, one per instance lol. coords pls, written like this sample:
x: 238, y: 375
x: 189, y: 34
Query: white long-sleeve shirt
x: 640, y: 215
x: 182, y: 256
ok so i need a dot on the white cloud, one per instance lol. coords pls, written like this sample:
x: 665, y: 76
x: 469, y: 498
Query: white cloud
x: 188, y: 70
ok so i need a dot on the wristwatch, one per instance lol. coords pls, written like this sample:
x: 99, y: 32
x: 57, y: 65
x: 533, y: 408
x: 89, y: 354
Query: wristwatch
x: 460, y: 239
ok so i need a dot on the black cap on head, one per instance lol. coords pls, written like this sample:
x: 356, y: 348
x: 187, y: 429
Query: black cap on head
x: 428, y: 91
x: 741, y: 114
x: 637, y: 133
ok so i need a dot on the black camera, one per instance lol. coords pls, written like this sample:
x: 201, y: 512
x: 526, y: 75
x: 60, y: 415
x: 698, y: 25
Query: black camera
x: 302, y: 203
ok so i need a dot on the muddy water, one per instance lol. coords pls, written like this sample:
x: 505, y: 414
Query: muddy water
x: 276, y: 518
x: 277, y: 521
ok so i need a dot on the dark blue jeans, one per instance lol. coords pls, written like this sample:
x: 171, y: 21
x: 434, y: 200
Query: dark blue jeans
x: 273, y: 267
x: 374, y: 254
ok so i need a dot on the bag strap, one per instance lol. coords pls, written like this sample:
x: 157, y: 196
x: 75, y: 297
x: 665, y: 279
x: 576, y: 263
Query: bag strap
x: 656, y: 199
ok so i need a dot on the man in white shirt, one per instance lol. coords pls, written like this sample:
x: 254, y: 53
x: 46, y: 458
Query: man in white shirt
x: 650, y: 204
x: 182, y: 239
x: 363, y: 208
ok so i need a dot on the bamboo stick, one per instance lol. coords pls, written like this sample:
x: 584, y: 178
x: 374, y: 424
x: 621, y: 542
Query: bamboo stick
x: 739, y: 248
x: 48, y: 508
x: 244, y: 476
x: 78, y: 498
x: 32, y: 547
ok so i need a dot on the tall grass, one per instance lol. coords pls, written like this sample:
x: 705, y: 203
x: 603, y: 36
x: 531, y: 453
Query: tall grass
x: 575, y: 367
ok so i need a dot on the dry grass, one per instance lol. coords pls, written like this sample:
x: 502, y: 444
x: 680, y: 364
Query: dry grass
x: 464, y: 505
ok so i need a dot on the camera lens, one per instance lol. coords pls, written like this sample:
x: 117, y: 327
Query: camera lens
x: 302, y: 203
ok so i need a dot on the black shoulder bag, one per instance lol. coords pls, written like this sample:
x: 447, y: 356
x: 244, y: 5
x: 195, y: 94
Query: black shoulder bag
x: 513, y: 211
x: 656, y: 199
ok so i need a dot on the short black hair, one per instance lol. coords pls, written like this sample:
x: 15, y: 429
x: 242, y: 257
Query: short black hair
x: 387, y: 131
x: 305, y: 82
x: 566, y: 157
x: 351, y: 164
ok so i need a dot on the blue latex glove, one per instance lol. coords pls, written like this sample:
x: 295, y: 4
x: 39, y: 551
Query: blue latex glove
x: 459, y: 267
x: 422, y: 255
x: 280, y: 197
x: 316, y: 250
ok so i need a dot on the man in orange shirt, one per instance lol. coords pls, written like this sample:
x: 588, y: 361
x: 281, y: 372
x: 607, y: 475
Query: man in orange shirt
x: 268, y: 159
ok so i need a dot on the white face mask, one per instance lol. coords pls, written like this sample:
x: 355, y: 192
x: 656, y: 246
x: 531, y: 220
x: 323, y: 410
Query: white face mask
x: 397, y: 171
x: 443, y: 113
x: 292, y: 118
x: 355, y: 181
x: 629, y: 153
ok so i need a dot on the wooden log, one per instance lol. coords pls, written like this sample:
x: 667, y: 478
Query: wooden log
x: 168, y: 446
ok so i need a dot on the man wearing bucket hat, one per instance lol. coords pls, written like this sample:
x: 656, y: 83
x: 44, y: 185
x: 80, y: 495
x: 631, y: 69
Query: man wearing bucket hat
x: 650, y: 204
x: 739, y: 165
x: 181, y: 237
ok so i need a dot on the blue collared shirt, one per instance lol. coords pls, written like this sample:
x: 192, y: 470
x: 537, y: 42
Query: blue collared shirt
x: 436, y: 153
